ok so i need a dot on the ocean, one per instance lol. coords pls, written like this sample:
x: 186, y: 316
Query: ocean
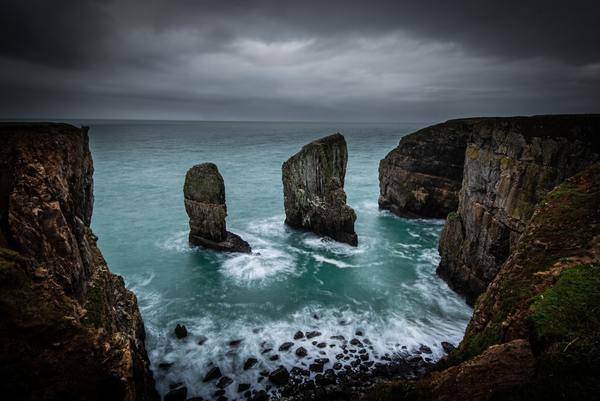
x: 385, y: 288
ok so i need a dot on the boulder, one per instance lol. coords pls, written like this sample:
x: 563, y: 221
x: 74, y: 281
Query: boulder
x: 313, y: 189
x: 204, y: 198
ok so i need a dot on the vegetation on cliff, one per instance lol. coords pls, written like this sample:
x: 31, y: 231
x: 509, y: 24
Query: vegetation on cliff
x: 545, y: 300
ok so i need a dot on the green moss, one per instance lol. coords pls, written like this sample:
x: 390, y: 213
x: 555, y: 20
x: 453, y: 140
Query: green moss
x: 506, y: 162
x: 95, y: 306
x: 453, y: 216
x: 570, y: 309
x: 472, y: 152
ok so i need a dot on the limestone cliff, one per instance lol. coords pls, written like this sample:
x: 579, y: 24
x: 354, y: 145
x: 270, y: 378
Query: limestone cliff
x: 69, y: 330
x: 535, y: 332
x: 204, y: 198
x: 313, y: 189
x: 509, y: 165
x: 422, y: 176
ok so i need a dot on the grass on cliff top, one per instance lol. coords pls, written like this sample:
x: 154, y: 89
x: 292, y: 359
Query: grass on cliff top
x: 563, y: 226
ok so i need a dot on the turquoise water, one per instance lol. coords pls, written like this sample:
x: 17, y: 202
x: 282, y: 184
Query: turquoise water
x: 386, y: 287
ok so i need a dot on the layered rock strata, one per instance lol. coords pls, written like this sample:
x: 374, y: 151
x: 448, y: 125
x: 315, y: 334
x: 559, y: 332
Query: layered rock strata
x: 535, y: 331
x: 509, y: 165
x: 313, y: 189
x: 485, y: 175
x: 423, y: 175
x: 204, y: 198
x: 69, y: 330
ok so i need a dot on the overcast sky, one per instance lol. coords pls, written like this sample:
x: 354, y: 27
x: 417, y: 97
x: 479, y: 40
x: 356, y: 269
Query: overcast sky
x: 297, y: 60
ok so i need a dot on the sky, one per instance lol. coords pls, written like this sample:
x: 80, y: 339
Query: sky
x: 304, y: 60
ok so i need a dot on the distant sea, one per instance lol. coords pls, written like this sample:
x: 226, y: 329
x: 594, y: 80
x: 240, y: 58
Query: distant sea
x: 386, y: 287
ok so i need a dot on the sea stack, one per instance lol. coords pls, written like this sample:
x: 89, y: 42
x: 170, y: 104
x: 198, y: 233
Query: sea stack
x: 313, y: 190
x: 204, y: 197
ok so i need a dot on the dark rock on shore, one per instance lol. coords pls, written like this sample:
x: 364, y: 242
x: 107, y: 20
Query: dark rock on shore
x: 301, y: 352
x: 180, y: 331
x: 279, y: 376
x: 448, y: 348
x: 312, y: 334
x: 250, y: 362
x: 224, y: 381
x: 298, y: 335
x: 212, y: 374
x: 313, y: 189
x: 204, y: 198
x: 69, y: 327
x: 286, y: 346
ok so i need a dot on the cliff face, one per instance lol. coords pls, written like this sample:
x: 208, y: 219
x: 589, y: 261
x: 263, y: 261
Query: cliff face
x: 535, y: 331
x: 423, y: 175
x: 509, y: 165
x: 313, y: 189
x: 70, y: 330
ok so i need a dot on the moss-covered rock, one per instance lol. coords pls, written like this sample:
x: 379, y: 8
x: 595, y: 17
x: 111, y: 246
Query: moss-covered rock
x: 204, y: 199
x: 313, y: 189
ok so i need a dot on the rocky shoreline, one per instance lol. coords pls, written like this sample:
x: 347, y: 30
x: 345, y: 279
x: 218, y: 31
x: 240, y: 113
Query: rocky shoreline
x: 355, y: 367
x: 523, y: 245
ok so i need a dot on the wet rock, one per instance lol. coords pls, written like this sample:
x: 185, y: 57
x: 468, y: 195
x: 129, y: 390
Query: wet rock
x: 296, y: 371
x: 313, y: 189
x: 274, y: 357
x: 321, y: 345
x: 250, y: 362
x: 301, y: 352
x: 286, y: 346
x: 298, y: 335
x: 338, y: 337
x: 316, y: 367
x: 165, y: 365
x: 247, y: 394
x: 448, y: 348
x: 355, y: 342
x: 279, y: 376
x: 364, y: 357
x: 425, y: 349
x: 213, y: 373
x: 201, y: 340
x: 235, y: 343
x: 222, y: 398
x: 179, y: 394
x: 339, y: 356
x: 219, y: 393
x: 224, y: 382
x: 359, y: 333
x: 337, y: 366
x: 312, y: 334
x: 180, y: 331
x: 204, y: 198
x: 260, y: 396
x: 175, y: 385
x: 243, y: 387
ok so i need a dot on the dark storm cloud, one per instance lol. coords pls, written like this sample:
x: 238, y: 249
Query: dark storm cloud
x: 297, y: 60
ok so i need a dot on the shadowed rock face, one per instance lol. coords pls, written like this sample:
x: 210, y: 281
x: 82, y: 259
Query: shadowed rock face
x: 69, y: 330
x: 313, y: 189
x: 510, y: 164
x: 204, y: 198
x: 534, y: 331
x: 423, y: 175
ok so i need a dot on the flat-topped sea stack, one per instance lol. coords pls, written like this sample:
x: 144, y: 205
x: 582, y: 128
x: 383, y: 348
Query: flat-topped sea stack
x: 313, y: 190
x: 204, y: 197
